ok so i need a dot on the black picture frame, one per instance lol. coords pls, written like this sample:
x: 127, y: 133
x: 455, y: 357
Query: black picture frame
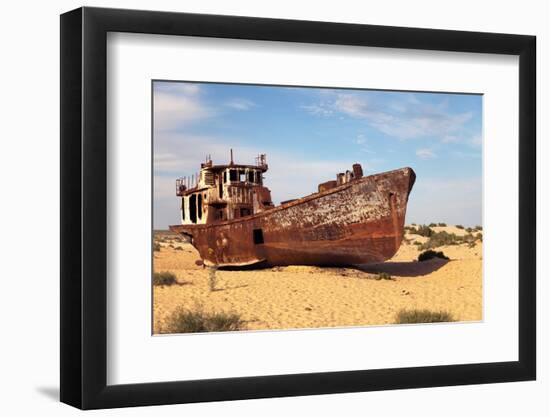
x: 84, y: 207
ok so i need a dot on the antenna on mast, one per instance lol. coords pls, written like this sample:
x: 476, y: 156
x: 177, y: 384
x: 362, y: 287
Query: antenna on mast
x: 231, y: 156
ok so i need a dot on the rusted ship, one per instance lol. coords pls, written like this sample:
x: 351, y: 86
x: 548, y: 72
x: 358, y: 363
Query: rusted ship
x: 229, y: 216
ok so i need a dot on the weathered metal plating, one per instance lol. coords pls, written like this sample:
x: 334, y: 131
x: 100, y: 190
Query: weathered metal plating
x: 230, y: 218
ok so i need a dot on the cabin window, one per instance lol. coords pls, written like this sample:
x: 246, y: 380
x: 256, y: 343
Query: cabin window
x: 183, y: 208
x: 208, y: 177
x: 258, y: 236
x: 219, y: 214
x: 233, y: 175
x: 220, y: 189
x: 242, y: 176
x: 193, y: 208
x: 250, y: 176
x: 224, y: 177
x: 245, y: 212
x: 199, y: 206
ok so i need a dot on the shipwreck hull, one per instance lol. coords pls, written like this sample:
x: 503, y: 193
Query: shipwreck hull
x: 355, y: 223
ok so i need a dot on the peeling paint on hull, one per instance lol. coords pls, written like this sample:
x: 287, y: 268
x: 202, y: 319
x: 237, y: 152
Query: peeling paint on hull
x: 355, y: 223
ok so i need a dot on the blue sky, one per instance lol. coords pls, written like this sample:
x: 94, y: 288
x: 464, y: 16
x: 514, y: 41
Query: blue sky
x: 310, y: 134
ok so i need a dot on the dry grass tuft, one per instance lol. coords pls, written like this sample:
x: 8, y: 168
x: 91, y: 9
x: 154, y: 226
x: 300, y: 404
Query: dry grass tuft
x: 423, y: 316
x: 164, y: 278
x: 199, y: 321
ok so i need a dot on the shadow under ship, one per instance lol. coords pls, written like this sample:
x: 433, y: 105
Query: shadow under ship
x: 229, y: 217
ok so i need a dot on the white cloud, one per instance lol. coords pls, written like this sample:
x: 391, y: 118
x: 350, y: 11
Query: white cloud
x: 240, y: 104
x: 361, y: 139
x: 466, y: 155
x: 320, y: 109
x: 179, y: 88
x: 422, y: 125
x: 177, y: 154
x: 451, y: 139
x: 472, y: 141
x: 352, y: 105
x: 425, y: 153
x: 476, y: 141
x: 406, y: 119
x: 178, y: 106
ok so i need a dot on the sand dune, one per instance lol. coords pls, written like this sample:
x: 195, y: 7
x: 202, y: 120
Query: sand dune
x: 306, y: 297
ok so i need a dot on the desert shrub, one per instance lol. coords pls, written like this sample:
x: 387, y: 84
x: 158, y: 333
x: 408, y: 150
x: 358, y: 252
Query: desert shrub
x: 444, y: 238
x: 417, y: 243
x: 459, y: 226
x: 442, y: 224
x: 164, y: 278
x: 469, y: 230
x: 467, y: 238
x: 384, y: 275
x: 156, y: 247
x: 432, y: 225
x: 478, y: 228
x: 413, y: 224
x: 423, y: 231
x: 422, y: 316
x: 199, y: 321
x: 178, y: 248
x: 441, y: 239
x: 430, y: 254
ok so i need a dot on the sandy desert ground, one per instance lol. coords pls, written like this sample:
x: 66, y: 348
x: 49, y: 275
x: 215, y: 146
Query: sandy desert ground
x: 310, y: 297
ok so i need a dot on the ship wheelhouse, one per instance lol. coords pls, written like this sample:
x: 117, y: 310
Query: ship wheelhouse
x: 223, y: 192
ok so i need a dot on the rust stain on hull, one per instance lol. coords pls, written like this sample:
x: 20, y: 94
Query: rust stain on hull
x: 356, y: 222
